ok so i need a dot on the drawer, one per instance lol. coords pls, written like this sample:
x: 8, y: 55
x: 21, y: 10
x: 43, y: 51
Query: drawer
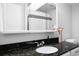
x: 75, y: 52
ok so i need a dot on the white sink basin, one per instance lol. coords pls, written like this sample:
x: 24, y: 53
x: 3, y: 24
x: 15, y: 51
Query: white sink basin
x: 46, y: 50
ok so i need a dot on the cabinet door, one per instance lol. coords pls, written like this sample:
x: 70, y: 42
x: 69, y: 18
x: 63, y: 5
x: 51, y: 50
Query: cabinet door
x: 66, y: 54
x: 13, y: 17
x: 75, y: 52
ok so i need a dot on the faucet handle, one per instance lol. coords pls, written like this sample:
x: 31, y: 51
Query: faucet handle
x: 43, y: 42
x: 37, y: 43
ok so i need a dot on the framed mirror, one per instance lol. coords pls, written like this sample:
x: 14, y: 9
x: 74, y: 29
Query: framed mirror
x: 40, y: 16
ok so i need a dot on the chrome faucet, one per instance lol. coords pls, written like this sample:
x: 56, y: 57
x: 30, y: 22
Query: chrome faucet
x: 40, y: 44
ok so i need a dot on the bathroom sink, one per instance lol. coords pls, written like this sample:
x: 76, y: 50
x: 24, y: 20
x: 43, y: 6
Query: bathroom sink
x: 46, y: 50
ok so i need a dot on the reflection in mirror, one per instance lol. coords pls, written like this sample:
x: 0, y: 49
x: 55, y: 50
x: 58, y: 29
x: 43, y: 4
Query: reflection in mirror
x: 41, y: 16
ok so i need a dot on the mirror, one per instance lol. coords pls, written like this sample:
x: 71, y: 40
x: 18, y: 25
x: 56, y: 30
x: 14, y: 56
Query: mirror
x: 40, y: 16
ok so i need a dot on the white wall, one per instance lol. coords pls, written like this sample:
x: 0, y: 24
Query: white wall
x: 64, y: 19
x: 75, y: 21
x: 14, y: 38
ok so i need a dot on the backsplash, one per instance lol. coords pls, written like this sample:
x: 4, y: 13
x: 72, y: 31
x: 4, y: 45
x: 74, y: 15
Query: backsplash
x: 14, y: 38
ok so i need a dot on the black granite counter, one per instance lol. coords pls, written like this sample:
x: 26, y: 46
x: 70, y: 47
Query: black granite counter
x: 30, y: 50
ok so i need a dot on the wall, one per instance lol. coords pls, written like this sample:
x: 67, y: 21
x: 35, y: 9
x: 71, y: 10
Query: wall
x: 75, y: 21
x: 64, y: 19
x: 14, y: 38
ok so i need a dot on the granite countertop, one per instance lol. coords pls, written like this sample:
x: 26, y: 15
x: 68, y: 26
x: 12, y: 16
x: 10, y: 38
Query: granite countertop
x: 28, y: 48
x: 62, y: 48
